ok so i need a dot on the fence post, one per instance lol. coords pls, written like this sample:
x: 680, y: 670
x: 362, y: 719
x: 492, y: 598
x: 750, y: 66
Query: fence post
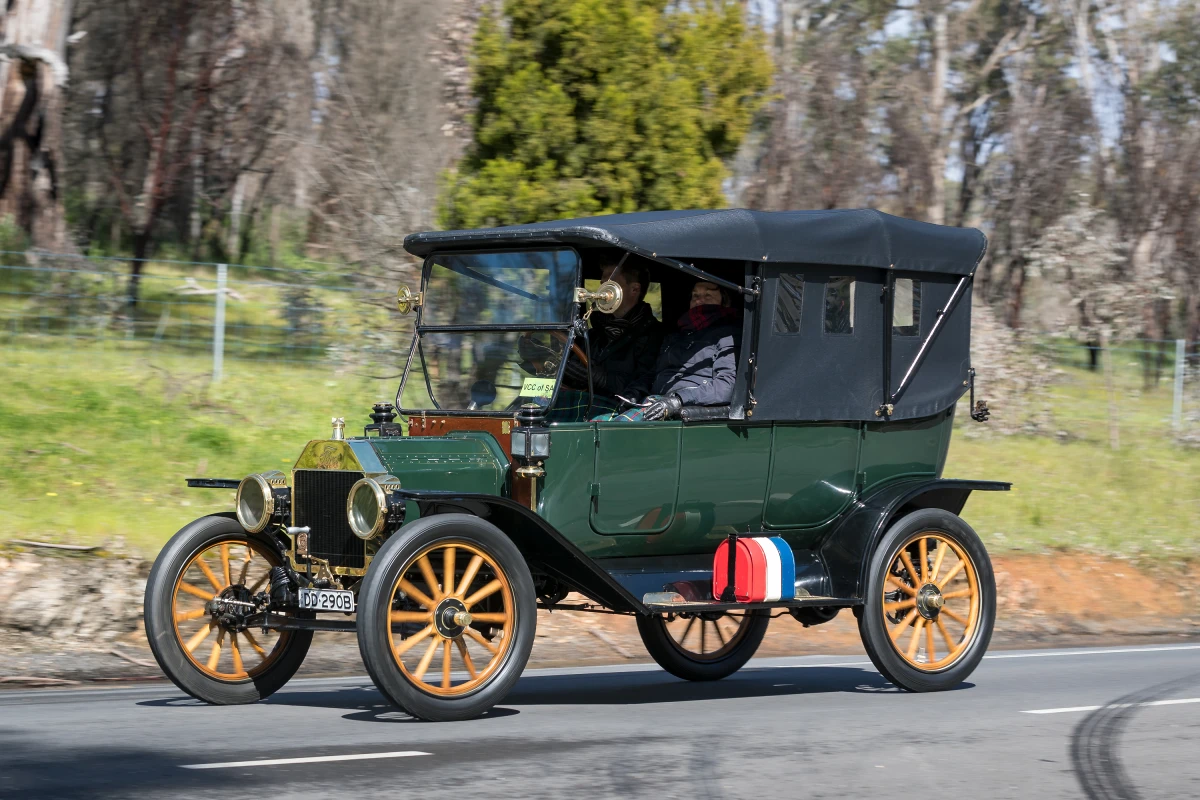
x: 1180, y: 366
x: 219, y: 324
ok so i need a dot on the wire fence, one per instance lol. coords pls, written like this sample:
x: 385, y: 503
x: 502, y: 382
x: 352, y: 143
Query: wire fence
x: 236, y: 313
x: 240, y: 316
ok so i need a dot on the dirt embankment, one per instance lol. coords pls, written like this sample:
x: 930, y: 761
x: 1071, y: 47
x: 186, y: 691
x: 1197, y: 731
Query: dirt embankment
x: 78, y: 619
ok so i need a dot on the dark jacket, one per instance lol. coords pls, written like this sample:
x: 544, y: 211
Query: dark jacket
x: 698, y: 365
x: 622, y: 350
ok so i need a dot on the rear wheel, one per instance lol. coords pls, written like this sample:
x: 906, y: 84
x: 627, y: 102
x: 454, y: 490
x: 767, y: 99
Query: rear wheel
x: 447, y: 617
x: 704, y: 647
x: 196, y: 589
x: 930, y: 602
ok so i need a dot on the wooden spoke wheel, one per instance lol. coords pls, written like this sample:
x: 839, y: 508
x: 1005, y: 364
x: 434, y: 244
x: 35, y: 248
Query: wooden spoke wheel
x: 705, y: 646
x: 930, y: 603
x: 198, y: 610
x: 451, y: 618
x: 225, y: 573
x: 933, y: 608
x: 446, y: 617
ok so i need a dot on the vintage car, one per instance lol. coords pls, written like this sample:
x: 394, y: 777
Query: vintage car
x: 437, y: 537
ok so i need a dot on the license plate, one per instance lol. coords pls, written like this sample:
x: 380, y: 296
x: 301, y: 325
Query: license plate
x: 327, y: 600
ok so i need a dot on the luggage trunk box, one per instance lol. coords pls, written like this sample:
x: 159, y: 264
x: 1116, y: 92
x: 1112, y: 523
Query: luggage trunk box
x: 765, y: 570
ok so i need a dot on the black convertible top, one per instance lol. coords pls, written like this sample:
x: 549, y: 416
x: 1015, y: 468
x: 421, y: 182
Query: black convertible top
x: 851, y: 237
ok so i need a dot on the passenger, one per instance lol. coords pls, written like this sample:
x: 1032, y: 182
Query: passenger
x: 624, y: 344
x: 697, y: 363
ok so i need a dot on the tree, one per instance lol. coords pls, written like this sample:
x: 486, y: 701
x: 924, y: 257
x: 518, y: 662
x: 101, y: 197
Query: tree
x: 601, y: 106
x: 34, y: 36
x: 177, y: 89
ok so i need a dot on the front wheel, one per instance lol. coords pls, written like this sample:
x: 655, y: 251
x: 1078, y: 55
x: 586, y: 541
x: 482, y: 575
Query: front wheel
x: 195, y: 596
x: 930, y: 602
x: 706, y: 646
x: 446, y: 617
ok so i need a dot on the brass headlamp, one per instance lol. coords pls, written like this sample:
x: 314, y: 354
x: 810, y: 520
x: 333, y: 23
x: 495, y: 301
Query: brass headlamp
x: 262, y: 497
x: 374, y: 505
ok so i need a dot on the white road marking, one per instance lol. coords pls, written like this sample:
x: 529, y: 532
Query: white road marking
x: 1054, y: 653
x: 1179, y: 702
x: 271, y: 762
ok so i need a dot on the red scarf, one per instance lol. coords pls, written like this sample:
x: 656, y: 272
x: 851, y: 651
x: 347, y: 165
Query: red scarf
x: 701, y: 317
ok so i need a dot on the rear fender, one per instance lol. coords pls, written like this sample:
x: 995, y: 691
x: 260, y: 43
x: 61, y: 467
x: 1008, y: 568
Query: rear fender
x: 543, y: 547
x: 847, y: 551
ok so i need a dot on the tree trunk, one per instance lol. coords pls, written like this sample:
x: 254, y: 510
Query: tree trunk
x: 34, y: 36
x: 141, y: 248
x: 937, y: 122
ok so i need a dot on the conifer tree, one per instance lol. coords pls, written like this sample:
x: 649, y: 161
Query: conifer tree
x: 605, y: 106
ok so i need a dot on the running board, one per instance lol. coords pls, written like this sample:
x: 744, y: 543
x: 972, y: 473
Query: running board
x: 686, y: 607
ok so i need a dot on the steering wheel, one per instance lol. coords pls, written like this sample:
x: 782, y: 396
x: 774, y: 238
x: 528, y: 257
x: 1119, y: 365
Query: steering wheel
x: 540, y: 360
x: 576, y: 350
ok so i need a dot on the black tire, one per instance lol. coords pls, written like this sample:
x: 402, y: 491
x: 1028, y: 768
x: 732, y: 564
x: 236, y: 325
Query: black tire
x: 396, y: 558
x: 690, y: 665
x: 873, y: 620
x: 162, y: 632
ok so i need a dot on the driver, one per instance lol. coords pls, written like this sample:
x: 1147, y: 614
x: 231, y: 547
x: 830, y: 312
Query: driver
x: 623, y: 344
x: 697, y: 363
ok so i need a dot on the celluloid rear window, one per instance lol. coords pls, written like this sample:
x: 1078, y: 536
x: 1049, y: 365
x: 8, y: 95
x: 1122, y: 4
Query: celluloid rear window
x: 906, y: 310
x: 789, y: 298
x: 839, y: 305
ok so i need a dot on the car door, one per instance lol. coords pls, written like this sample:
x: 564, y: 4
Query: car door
x: 636, y: 477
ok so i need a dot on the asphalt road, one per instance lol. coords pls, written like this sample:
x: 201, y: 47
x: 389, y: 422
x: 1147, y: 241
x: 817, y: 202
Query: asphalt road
x: 1118, y: 722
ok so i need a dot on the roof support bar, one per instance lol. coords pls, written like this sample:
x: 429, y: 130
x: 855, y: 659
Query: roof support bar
x: 955, y: 296
x: 889, y: 305
x: 696, y: 272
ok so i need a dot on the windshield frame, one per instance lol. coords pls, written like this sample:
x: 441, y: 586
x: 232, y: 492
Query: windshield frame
x: 415, y: 350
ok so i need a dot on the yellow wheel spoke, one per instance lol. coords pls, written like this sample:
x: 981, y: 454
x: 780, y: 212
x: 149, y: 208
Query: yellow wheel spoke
x: 904, y: 623
x: 915, y: 641
x: 929, y: 654
x: 416, y: 594
x: 410, y: 642
x: 419, y: 672
x: 187, y: 616
x: 900, y: 605
x: 430, y: 579
x: 488, y: 589
x: 195, y: 591
x: 498, y: 618
x: 956, y: 594
x: 923, y: 554
x: 449, y: 561
x: 479, y: 637
x: 196, y: 640
x: 953, y: 616
x: 246, y: 566
x: 254, y: 644
x: 941, y: 626
x: 957, y: 568
x: 411, y: 616
x: 215, y: 656
x: 468, y: 575
x: 913, y: 575
x: 238, y: 669
x: 446, y: 661
x: 466, y: 657
x: 937, y: 561
x: 901, y: 585
x: 225, y: 563
x: 208, y: 573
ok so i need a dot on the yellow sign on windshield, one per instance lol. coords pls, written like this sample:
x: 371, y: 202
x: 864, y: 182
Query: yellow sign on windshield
x: 538, y: 387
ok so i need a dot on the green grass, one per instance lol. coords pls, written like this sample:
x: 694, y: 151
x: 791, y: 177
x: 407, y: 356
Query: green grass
x: 98, y: 439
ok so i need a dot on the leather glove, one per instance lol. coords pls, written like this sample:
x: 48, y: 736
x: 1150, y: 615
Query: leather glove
x: 661, y: 407
x: 576, y: 374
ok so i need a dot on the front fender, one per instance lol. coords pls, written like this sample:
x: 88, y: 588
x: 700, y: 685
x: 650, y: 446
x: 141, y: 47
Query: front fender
x: 543, y: 547
x: 846, y: 551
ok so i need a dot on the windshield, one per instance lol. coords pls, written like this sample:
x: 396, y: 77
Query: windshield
x: 514, y: 288
x: 492, y: 371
